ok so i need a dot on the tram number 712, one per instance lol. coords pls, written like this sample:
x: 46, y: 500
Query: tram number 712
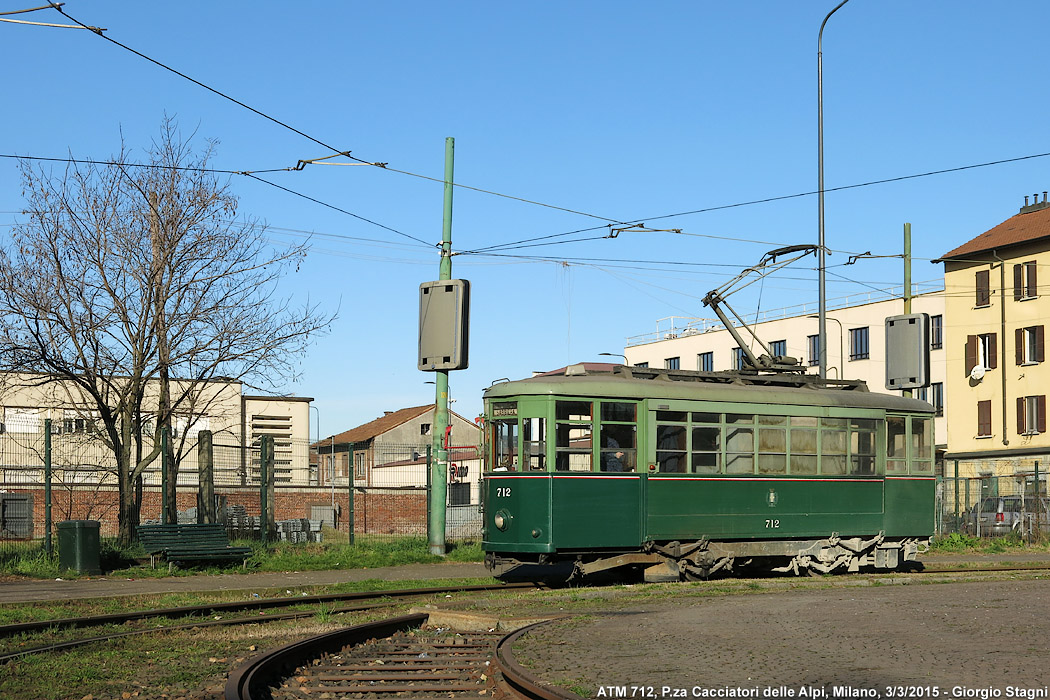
x: 772, y: 523
x: 502, y: 492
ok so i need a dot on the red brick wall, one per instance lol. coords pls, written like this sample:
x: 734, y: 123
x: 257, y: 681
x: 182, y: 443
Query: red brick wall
x: 375, y: 512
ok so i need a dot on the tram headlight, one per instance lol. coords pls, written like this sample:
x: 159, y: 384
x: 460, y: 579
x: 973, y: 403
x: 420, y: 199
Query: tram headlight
x: 501, y: 520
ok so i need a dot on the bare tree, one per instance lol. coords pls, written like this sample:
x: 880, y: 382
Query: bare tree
x: 136, y: 289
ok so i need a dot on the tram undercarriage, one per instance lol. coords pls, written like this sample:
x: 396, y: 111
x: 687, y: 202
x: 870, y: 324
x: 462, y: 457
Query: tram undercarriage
x: 701, y: 559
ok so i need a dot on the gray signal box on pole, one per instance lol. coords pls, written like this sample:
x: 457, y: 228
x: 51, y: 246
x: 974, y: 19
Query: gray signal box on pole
x: 444, y: 325
x: 908, y: 351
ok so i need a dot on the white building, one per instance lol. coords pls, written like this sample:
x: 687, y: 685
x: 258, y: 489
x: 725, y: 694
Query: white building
x: 856, y: 343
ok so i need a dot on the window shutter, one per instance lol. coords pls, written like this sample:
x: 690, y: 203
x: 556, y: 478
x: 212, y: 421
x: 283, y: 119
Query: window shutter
x: 984, y: 417
x: 1019, y: 345
x: 1032, y: 289
x: 1017, y: 282
x: 984, y: 294
x: 992, y: 360
x: 1020, y: 415
x: 1038, y: 344
x: 971, y: 354
x: 1040, y: 413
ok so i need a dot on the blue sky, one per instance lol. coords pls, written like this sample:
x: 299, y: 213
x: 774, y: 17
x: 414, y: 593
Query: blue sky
x: 618, y: 111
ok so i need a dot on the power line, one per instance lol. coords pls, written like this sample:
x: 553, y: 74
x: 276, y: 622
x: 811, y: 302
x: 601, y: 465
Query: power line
x: 766, y: 200
x: 338, y: 209
x: 338, y: 151
x: 253, y: 174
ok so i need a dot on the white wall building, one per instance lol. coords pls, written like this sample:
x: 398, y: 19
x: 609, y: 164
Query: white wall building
x: 856, y: 344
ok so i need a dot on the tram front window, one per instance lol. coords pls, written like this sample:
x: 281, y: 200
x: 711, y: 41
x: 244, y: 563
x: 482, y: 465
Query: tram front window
x: 505, y: 445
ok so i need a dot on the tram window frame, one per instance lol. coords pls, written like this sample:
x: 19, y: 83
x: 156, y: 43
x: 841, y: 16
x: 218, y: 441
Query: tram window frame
x: 920, y: 445
x: 768, y: 444
x: 621, y: 427
x: 672, y: 426
x: 505, y: 461
x: 897, y: 444
x: 566, y: 421
x: 534, y: 449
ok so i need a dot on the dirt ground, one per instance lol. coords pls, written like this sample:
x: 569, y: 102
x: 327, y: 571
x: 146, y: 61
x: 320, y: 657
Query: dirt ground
x: 947, y: 640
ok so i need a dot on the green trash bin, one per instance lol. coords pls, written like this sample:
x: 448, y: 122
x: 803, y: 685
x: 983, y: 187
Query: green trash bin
x: 78, y: 546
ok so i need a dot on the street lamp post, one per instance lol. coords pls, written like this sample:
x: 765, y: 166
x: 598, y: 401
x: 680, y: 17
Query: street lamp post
x: 842, y: 356
x: 822, y: 329
x: 616, y: 354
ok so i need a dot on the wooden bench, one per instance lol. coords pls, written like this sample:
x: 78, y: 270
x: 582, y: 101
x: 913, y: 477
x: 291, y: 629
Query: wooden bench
x: 189, y: 542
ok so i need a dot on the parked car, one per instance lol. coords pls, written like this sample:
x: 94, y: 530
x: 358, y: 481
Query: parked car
x: 995, y: 516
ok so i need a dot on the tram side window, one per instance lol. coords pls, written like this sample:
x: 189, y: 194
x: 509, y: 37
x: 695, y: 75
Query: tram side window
x: 707, y: 447
x: 772, y: 449
x: 803, y: 445
x: 534, y: 440
x: 671, y: 447
x: 619, y: 437
x: 740, y: 444
x: 862, y: 446
x: 573, y: 438
x: 921, y: 441
x: 896, y: 445
x: 833, y: 442
x: 505, y: 445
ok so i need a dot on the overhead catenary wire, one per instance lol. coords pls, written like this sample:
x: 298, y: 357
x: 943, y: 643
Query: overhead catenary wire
x: 385, y: 166
x: 253, y: 174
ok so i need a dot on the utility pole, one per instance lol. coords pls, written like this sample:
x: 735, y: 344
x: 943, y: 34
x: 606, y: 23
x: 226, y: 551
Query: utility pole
x: 439, y: 463
x: 822, y: 326
x: 907, y: 279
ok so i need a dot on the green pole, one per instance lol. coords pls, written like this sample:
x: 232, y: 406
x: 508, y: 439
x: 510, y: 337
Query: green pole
x: 438, y: 492
x: 164, y: 476
x: 47, y: 487
x: 353, y: 473
x: 265, y: 463
x: 907, y: 279
x: 957, y: 519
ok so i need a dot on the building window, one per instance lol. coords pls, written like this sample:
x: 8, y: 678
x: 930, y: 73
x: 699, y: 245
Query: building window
x: 984, y: 291
x: 1028, y: 345
x: 672, y: 363
x: 858, y: 343
x: 813, y: 344
x: 937, y: 397
x: 984, y: 419
x: 641, y: 364
x: 705, y: 362
x: 424, y: 428
x: 778, y: 348
x: 1031, y: 415
x: 936, y: 332
x: 981, y: 350
x: 1024, y: 281
x: 738, y: 358
x: 359, y: 465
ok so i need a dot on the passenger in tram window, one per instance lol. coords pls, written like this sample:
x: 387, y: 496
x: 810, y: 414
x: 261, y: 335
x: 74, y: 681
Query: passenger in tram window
x: 612, y: 456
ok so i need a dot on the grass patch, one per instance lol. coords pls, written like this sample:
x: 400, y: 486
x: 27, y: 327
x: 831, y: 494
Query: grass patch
x: 31, y: 561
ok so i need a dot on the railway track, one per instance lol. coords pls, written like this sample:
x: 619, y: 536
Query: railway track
x: 216, y: 612
x: 395, y: 658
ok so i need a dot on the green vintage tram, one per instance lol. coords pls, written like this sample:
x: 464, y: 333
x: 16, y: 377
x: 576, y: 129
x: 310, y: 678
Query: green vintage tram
x: 683, y: 474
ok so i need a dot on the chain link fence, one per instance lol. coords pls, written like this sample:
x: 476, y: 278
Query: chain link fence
x: 995, y: 505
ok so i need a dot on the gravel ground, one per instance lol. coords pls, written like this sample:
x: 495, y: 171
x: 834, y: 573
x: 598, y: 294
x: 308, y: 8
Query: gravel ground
x: 947, y: 640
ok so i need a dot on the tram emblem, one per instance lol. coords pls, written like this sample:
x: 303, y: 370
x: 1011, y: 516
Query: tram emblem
x: 773, y: 498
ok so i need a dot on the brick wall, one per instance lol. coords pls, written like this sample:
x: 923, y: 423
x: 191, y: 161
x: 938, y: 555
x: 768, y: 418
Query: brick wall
x: 386, y: 511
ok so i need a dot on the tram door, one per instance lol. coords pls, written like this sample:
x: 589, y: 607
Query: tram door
x: 595, y: 499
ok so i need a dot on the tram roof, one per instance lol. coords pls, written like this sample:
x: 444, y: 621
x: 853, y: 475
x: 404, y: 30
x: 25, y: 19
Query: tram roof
x: 759, y: 388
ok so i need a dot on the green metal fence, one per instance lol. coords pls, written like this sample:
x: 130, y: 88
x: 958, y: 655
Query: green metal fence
x: 274, y: 490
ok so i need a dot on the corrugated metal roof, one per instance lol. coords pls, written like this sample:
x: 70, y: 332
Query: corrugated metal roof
x: 1022, y: 228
